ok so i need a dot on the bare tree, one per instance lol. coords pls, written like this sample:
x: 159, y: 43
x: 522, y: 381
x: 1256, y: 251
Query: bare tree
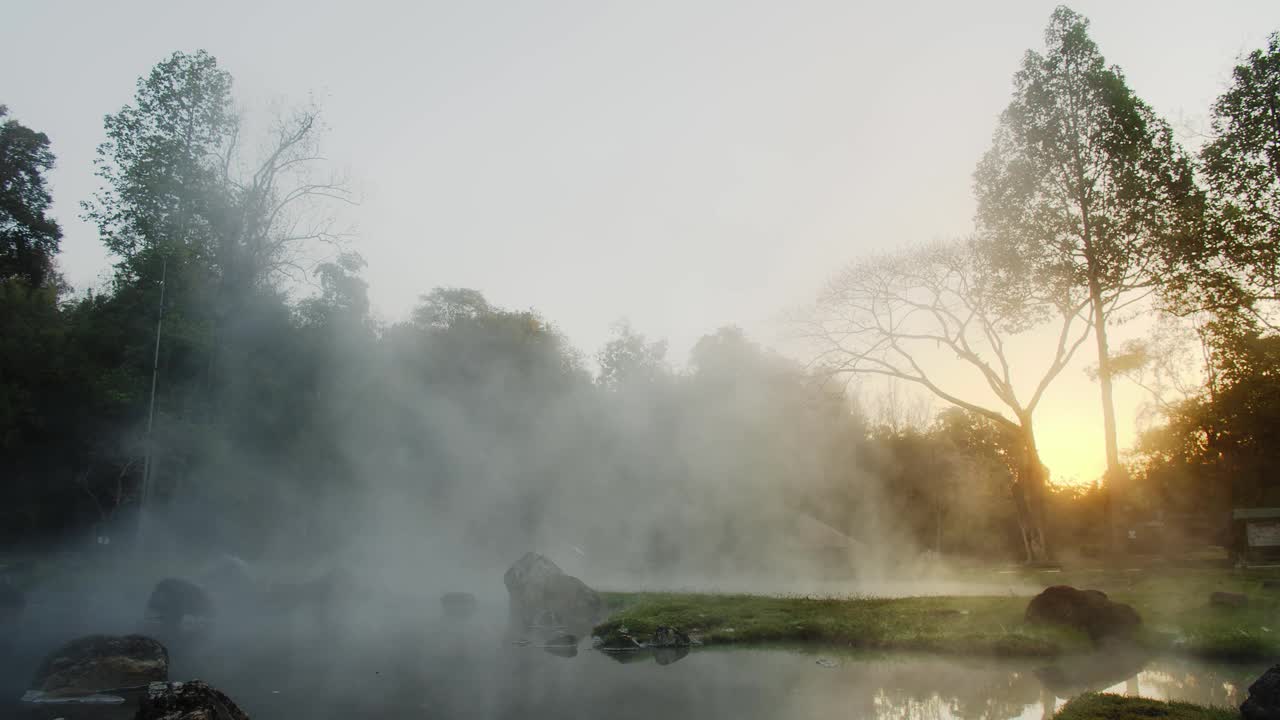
x: 276, y: 212
x: 889, y: 315
x: 276, y: 215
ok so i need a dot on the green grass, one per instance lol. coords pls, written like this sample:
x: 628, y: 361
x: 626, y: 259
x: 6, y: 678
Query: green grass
x: 1177, y: 616
x: 1093, y: 706
x: 1173, y: 603
x: 991, y: 626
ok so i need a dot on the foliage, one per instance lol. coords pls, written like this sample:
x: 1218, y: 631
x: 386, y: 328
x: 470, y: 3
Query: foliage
x: 1242, y: 167
x: 28, y: 237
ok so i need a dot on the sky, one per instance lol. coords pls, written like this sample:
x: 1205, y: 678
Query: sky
x: 681, y: 165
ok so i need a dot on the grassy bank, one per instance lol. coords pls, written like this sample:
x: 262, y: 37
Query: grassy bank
x: 1174, y: 606
x: 1176, y: 612
x: 936, y: 624
x: 1093, y: 706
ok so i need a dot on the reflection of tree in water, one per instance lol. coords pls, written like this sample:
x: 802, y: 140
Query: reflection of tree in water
x: 925, y: 689
x: 1207, y: 684
x: 948, y: 689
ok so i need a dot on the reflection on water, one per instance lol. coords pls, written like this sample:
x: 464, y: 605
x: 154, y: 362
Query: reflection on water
x: 488, y: 681
x: 470, y: 670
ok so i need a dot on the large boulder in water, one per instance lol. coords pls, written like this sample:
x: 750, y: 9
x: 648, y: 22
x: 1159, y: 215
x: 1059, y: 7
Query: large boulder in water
x: 194, y: 700
x: 542, y: 594
x: 1087, y: 610
x: 1264, y: 697
x: 94, y: 663
x: 178, y: 606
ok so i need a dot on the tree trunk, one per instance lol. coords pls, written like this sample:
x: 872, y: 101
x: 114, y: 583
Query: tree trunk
x: 1114, y: 473
x: 1028, y: 496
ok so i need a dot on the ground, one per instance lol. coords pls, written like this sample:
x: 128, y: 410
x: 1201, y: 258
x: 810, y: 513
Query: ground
x: 1093, y: 706
x: 1174, y: 605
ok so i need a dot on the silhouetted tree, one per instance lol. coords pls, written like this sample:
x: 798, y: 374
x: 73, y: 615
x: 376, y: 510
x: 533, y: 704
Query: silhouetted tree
x: 885, y: 316
x: 1084, y: 187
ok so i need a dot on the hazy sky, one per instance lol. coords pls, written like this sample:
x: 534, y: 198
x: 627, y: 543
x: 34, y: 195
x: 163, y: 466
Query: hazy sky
x: 684, y: 165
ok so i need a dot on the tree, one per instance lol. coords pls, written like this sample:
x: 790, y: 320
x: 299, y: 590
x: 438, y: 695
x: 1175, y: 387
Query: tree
x: 1084, y: 187
x: 630, y: 358
x: 160, y: 164
x: 887, y: 316
x: 28, y: 237
x: 1242, y: 167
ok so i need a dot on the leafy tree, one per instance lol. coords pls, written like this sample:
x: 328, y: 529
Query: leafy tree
x: 445, y: 307
x: 160, y: 163
x: 1242, y: 165
x: 28, y: 237
x: 630, y: 358
x: 1085, y: 189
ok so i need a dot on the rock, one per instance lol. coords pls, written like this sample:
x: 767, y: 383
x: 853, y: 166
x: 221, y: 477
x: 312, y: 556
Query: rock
x: 541, y: 593
x: 1087, y: 610
x: 1264, y: 697
x: 174, y: 599
x: 101, y: 662
x: 615, y: 640
x: 194, y: 700
x: 560, y: 638
x: 458, y: 605
x: 668, y: 637
x: 1227, y: 599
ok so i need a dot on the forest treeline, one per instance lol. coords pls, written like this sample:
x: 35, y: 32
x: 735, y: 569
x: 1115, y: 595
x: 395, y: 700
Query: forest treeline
x: 283, y: 413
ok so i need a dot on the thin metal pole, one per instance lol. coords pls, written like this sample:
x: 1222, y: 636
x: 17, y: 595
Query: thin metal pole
x: 145, y: 491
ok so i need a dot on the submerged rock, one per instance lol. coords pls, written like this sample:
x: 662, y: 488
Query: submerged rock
x: 560, y: 638
x: 94, y: 663
x: 541, y: 593
x: 1087, y: 610
x: 458, y: 605
x: 1264, y: 697
x: 194, y: 700
x: 174, y: 600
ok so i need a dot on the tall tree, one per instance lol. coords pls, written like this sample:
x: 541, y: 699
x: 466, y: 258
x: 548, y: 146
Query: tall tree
x: 28, y: 236
x: 160, y: 164
x: 890, y: 316
x: 1084, y: 187
x: 1242, y: 166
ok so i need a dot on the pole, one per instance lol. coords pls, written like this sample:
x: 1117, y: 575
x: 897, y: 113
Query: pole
x: 145, y: 491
